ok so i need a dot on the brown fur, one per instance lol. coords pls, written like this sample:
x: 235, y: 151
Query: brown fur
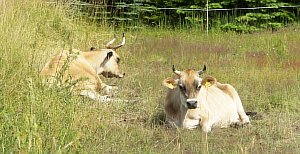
x: 76, y: 67
x: 82, y: 67
x: 172, y: 106
x: 188, y: 79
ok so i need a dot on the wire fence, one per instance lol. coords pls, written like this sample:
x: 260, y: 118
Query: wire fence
x: 183, y: 9
x: 203, y: 18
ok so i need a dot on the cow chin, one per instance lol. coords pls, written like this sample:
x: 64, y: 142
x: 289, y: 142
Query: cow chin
x: 111, y: 75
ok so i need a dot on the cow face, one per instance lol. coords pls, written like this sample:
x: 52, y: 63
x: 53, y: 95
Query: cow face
x: 111, y: 65
x: 188, y: 83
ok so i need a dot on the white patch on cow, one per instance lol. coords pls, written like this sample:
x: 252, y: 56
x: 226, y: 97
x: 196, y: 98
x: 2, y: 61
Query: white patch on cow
x: 95, y: 96
x: 192, y: 120
x: 191, y: 99
x: 220, y: 107
x: 108, y: 89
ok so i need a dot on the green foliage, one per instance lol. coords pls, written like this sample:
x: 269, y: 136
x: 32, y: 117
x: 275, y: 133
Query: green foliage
x: 275, y: 26
x: 132, y: 12
x: 214, y: 6
x: 240, y: 28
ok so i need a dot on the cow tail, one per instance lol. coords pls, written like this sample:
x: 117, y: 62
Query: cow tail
x: 251, y: 114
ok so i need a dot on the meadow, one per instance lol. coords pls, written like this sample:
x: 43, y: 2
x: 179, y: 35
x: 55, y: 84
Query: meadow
x: 35, y: 118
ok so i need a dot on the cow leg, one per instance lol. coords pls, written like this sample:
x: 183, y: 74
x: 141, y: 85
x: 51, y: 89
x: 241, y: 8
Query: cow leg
x: 205, y: 125
x: 206, y: 128
x: 244, y: 118
x: 94, y: 96
x: 109, y: 89
x: 122, y: 100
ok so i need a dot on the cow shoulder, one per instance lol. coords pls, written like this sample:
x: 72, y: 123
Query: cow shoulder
x: 226, y: 88
x: 54, y: 64
x: 59, y: 60
x: 77, y: 68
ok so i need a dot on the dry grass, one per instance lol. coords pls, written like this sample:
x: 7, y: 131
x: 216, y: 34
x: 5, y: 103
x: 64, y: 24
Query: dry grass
x: 34, y: 118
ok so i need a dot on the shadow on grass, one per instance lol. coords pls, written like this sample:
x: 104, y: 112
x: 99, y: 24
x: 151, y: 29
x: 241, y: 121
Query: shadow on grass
x: 159, y: 118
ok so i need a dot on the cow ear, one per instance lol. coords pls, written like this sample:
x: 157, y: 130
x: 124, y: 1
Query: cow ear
x: 170, y: 83
x: 208, y: 81
x: 109, y: 55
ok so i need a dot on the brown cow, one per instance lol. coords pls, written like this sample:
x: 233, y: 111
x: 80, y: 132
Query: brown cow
x: 84, y: 69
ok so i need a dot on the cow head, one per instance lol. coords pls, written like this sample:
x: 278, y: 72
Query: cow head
x: 111, y: 64
x: 188, y: 83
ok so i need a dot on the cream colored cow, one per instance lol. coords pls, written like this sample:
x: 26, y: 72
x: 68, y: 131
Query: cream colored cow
x: 193, y: 101
x: 84, y: 68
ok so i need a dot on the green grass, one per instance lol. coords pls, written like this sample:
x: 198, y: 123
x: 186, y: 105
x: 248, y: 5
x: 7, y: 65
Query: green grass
x: 264, y: 68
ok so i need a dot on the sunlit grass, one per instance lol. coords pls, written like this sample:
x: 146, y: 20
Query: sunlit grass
x: 264, y: 68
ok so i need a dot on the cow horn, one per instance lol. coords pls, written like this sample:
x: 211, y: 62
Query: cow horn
x: 122, y: 44
x: 108, y: 45
x: 202, y: 71
x: 176, y: 71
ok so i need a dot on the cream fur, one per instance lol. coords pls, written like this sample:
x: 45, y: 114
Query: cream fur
x: 218, y: 106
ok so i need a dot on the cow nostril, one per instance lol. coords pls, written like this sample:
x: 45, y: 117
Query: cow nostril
x: 191, y: 103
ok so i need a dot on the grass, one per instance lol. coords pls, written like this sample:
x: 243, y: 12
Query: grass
x: 264, y: 68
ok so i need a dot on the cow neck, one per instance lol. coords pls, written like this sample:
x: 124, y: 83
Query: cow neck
x: 96, y: 58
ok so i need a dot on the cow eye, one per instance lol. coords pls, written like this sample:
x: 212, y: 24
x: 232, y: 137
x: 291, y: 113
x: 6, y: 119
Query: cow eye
x: 198, y: 87
x: 182, y: 87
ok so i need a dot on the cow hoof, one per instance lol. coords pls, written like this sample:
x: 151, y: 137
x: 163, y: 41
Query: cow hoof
x: 90, y: 94
x: 110, y: 89
x: 246, y: 121
x: 104, y: 98
x: 236, y: 124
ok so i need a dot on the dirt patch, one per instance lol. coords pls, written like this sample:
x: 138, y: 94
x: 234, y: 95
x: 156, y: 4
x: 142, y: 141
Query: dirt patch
x: 293, y: 64
x: 258, y: 58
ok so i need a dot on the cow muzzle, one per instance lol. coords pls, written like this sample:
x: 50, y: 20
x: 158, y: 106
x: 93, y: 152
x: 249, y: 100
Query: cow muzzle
x: 121, y: 75
x: 111, y: 75
x: 191, y: 103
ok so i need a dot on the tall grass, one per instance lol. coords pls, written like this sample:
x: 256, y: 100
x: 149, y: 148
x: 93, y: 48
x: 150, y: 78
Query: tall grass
x: 264, y: 68
x: 35, y: 118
